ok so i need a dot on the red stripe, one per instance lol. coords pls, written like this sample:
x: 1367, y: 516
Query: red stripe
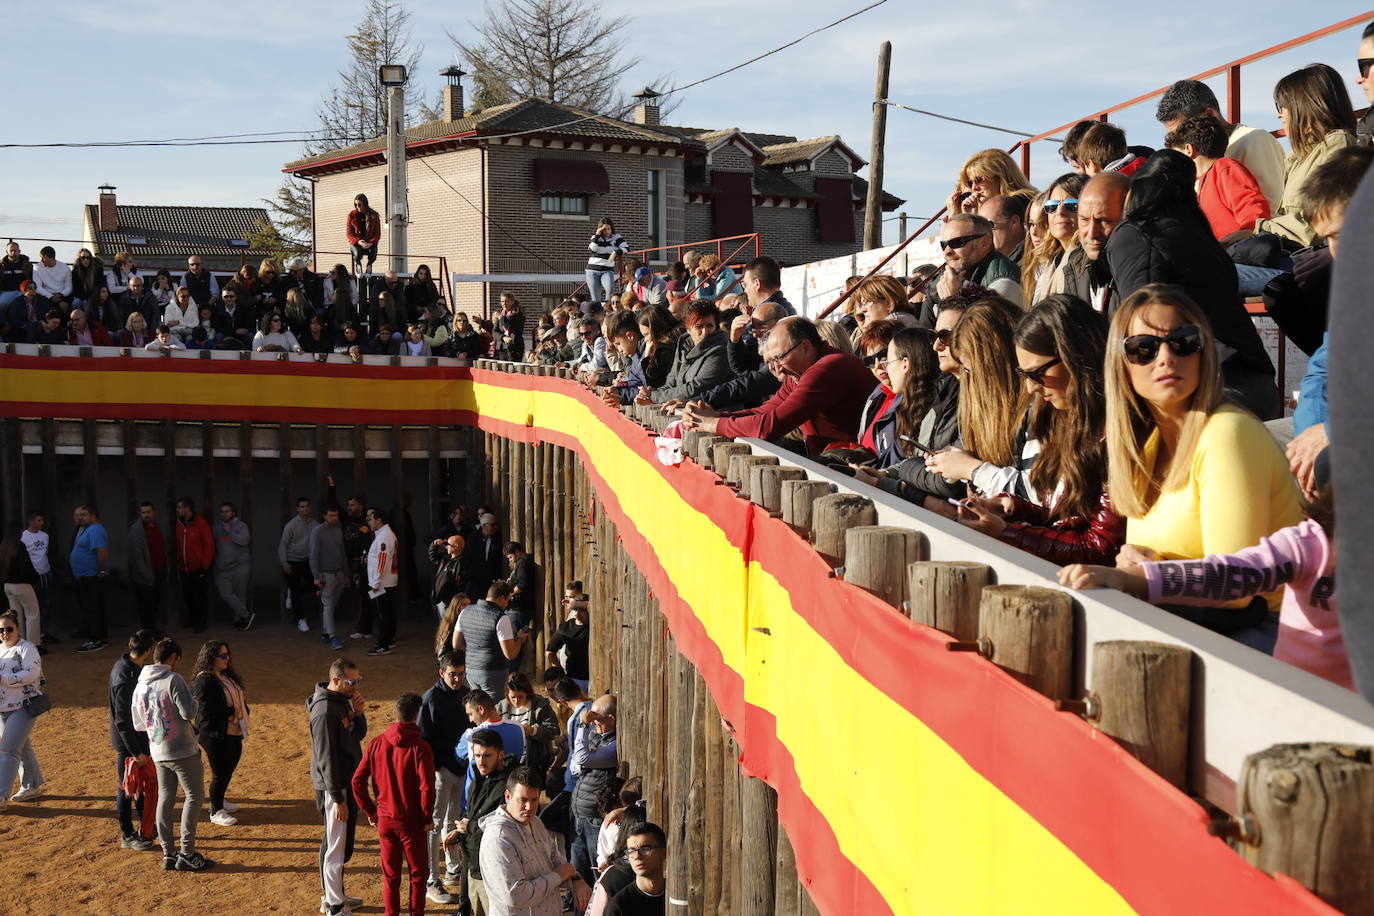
x: 234, y: 367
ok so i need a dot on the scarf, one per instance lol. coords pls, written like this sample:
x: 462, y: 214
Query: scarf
x: 234, y: 694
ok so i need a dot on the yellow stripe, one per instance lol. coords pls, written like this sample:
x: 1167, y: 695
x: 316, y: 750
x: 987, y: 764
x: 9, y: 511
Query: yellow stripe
x: 937, y: 838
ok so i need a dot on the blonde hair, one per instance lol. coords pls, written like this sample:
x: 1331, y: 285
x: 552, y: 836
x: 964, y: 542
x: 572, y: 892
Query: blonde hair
x: 708, y: 261
x: 990, y: 396
x: 994, y: 163
x: 1049, y: 247
x: 833, y: 334
x: 266, y: 265
x: 886, y: 289
x: 443, y: 637
x: 1132, y: 482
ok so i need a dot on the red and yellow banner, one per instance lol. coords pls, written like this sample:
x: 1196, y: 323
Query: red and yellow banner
x: 910, y: 779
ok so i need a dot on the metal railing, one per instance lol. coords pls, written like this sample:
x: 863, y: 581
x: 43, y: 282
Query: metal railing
x: 1232, y: 69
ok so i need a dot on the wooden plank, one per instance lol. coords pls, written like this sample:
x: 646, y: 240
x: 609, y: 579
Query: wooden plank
x: 90, y: 464
x: 247, y: 491
x: 359, y: 462
x: 132, y: 498
x: 435, y: 465
x: 398, y: 520
x: 207, y: 450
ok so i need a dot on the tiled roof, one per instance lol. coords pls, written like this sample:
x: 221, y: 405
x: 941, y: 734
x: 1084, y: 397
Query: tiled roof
x: 706, y: 135
x: 769, y: 183
x: 177, y: 230
x: 795, y: 151
x: 533, y: 115
x: 890, y: 202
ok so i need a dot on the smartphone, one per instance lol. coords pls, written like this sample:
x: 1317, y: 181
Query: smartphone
x: 923, y: 449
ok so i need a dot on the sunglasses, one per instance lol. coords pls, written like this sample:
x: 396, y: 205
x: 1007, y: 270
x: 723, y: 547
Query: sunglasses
x: 959, y: 242
x: 1141, y: 349
x: 1070, y: 205
x: 1037, y: 375
x: 353, y: 683
x: 9, y: 629
x: 1364, y: 63
x: 222, y: 655
x: 874, y: 359
x: 943, y: 337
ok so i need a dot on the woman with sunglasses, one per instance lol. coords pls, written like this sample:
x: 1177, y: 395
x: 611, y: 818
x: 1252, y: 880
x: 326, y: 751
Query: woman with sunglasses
x: 222, y: 721
x: 878, y: 421
x: 883, y: 298
x: 1164, y: 237
x: 273, y: 335
x: 21, y: 684
x: 987, y: 174
x: 1042, y: 271
x: 996, y: 451
x: 1193, y: 474
x: 1059, y: 353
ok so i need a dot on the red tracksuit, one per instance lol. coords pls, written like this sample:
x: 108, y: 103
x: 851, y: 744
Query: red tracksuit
x: 400, y: 766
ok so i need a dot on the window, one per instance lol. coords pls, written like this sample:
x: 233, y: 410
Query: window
x: 654, y: 194
x: 563, y: 204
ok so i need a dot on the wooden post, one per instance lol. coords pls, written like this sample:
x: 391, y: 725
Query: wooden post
x: 1310, y: 807
x: 945, y: 595
x: 722, y: 452
x: 1144, y: 692
x: 742, y: 468
x: 1031, y: 631
x: 131, y: 495
x: 873, y: 215
x: 359, y: 466
x: 877, y: 557
x: 705, y: 449
x: 832, y: 516
x: 398, y: 524
x: 786, y: 891
x: 759, y: 852
x: 765, y: 485
x: 798, y: 500
x: 90, y: 463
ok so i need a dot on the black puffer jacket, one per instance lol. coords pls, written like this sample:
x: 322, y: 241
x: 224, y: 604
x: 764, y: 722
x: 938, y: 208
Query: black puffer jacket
x: 1167, y: 249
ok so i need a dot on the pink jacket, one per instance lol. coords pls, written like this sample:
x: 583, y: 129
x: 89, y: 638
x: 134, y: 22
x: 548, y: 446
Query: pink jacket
x: 1300, y: 557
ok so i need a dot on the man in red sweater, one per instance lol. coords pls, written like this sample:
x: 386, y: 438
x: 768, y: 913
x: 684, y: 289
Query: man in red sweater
x: 195, y: 553
x: 400, y: 765
x: 823, y: 393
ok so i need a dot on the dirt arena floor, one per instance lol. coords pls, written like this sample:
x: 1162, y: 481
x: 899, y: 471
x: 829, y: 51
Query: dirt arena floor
x: 61, y: 853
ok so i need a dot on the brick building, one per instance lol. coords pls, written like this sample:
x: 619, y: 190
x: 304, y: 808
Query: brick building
x: 544, y: 173
x: 165, y: 236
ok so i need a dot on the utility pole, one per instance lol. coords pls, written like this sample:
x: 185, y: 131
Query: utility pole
x: 393, y: 77
x: 873, y: 215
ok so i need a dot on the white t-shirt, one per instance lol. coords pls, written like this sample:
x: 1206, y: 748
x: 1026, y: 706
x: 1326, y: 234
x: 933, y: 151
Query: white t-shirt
x: 504, y: 628
x: 36, y: 542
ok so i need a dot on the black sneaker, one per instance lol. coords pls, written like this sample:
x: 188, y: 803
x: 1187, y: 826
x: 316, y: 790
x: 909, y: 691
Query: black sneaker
x: 50, y: 640
x: 134, y: 841
x: 169, y: 863
x: 91, y: 645
x: 379, y: 650
x: 244, y: 625
x: 191, y: 862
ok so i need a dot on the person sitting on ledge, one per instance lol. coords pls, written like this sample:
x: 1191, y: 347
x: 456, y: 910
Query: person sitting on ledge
x: 823, y: 393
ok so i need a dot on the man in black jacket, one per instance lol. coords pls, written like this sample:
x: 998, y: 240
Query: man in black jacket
x: 442, y: 721
x: 1100, y: 207
x: 450, y: 571
x: 337, y: 729
x: 130, y: 743
x: 486, y: 793
x: 485, y: 563
x: 524, y: 580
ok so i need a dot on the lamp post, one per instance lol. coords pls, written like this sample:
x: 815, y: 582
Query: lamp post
x: 393, y: 77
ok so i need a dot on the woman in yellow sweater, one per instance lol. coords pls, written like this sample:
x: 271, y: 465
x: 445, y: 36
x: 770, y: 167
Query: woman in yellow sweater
x: 1194, y: 474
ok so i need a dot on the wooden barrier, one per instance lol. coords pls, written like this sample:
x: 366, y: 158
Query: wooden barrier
x: 945, y: 595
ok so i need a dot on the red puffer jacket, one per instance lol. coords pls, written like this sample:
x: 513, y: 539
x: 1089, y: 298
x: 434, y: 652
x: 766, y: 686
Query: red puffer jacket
x: 195, y: 544
x: 1076, y: 539
x: 363, y: 228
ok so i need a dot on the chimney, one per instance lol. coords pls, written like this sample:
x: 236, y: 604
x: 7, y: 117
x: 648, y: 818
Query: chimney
x: 453, y: 93
x: 646, y: 112
x: 107, y: 216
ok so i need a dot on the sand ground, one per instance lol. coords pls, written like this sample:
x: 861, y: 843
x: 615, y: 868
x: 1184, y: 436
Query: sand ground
x: 61, y: 853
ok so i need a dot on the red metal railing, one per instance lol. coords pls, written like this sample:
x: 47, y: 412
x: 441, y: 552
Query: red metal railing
x: 1232, y: 71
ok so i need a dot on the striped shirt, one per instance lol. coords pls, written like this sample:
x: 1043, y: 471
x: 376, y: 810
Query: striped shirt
x: 604, y: 249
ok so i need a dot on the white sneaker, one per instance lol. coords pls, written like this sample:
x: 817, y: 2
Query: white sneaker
x: 223, y: 818
x: 28, y: 794
x: 302, y: 625
x: 435, y: 893
x: 230, y: 807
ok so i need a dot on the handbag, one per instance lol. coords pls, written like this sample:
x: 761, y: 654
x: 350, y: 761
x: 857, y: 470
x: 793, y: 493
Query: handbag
x: 37, y: 704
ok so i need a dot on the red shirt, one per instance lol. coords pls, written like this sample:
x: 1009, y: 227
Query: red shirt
x: 888, y: 397
x: 826, y: 402
x: 1231, y: 198
x: 157, y: 547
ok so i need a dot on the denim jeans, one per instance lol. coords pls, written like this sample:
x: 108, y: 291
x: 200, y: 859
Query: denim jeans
x: 601, y: 284
x: 1252, y: 279
x: 15, y: 748
x: 583, y: 852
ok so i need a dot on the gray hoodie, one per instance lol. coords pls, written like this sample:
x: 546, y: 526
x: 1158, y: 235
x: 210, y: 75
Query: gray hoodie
x: 163, y: 707
x: 520, y: 866
x: 231, y: 547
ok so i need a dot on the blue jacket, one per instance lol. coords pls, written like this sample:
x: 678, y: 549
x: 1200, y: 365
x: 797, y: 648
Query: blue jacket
x: 1312, y: 392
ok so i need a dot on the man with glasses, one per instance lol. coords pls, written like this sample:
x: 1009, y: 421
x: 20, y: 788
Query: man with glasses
x: 1007, y: 213
x: 646, y: 846
x: 202, y: 284
x: 1365, y: 126
x: 748, y: 332
x: 1255, y: 149
x: 233, y: 318
x: 337, y: 728
x: 971, y: 259
x: 591, y: 354
x: 823, y: 393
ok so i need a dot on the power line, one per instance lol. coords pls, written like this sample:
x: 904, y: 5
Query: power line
x: 945, y: 117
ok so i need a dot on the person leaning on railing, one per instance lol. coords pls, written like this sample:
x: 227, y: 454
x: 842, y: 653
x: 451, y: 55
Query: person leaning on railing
x: 700, y: 362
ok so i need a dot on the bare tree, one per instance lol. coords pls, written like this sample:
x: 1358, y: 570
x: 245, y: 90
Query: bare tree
x: 354, y: 107
x: 564, y: 51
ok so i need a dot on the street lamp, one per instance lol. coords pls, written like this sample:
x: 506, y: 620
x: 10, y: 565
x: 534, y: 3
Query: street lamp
x: 393, y: 77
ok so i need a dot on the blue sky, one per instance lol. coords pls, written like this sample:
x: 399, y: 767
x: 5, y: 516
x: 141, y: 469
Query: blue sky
x: 90, y: 69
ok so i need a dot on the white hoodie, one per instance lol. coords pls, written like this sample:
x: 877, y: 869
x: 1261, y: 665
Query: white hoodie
x: 162, y: 706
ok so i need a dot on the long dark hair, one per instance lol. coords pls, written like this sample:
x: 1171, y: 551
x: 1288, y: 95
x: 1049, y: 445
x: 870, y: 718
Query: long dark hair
x: 918, y: 394
x: 1073, y: 457
x: 205, y: 661
x: 1317, y: 104
x: 10, y: 545
x: 362, y: 199
x: 1164, y: 187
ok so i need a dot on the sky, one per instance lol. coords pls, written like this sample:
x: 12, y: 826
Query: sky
x: 149, y: 69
